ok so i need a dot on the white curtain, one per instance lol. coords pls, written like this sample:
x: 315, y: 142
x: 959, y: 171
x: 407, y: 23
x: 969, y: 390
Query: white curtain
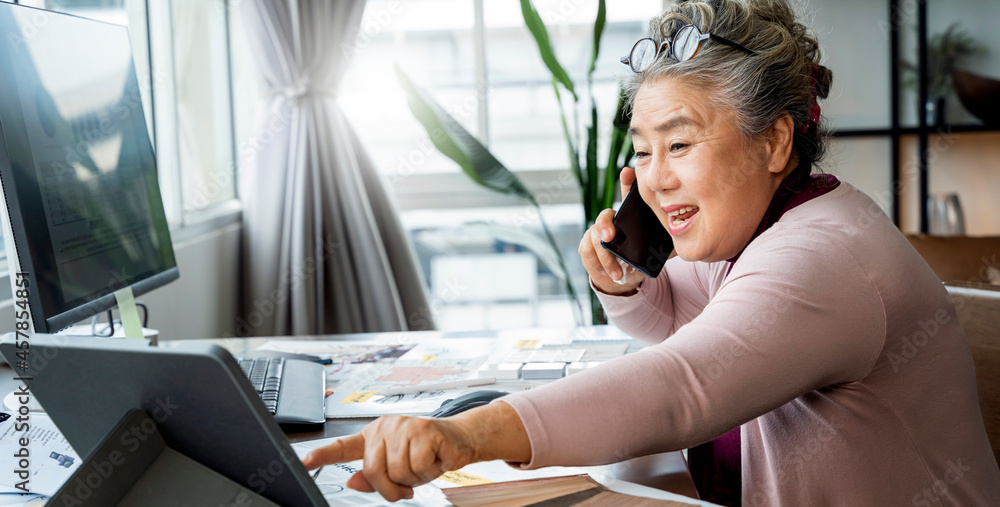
x: 324, y: 251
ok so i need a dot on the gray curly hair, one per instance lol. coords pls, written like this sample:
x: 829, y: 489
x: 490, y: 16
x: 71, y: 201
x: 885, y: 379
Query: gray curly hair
x: 784, y: 77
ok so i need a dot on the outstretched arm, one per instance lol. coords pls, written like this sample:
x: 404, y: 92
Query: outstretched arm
x: 403, y: 452
x: 772, y: 333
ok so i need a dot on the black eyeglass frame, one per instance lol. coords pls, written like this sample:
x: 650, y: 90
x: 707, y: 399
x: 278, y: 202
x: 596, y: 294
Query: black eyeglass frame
x: 668, y: 44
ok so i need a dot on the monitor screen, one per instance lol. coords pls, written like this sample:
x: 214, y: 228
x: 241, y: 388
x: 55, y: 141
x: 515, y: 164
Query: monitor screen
x: 77, y: 166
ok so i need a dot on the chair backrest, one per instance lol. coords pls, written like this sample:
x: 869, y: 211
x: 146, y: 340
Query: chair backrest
x: 979, y: 313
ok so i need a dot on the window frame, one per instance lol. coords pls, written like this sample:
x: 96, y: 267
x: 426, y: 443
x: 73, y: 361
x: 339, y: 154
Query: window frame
x: 183, y: 225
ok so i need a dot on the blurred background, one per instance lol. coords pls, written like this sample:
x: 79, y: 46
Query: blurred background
x: 477, y: 59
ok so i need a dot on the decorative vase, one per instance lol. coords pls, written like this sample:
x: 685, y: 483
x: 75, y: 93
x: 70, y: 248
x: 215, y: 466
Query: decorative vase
x: 980, y: 95
x: 934, y: 110
x: 945, y: 216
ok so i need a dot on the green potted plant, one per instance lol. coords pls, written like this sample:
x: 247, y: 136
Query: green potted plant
x: 598, y: 182
x: 944, y: 51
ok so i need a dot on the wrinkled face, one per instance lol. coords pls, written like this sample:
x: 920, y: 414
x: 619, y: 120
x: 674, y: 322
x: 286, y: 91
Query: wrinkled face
x: 707, y: 186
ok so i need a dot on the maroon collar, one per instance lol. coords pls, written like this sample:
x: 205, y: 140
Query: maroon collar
x: 798, y: 188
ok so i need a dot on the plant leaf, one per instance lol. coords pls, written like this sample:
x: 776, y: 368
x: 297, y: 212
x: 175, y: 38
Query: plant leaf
x: 592, y: 180
x: 619, y: 155
x: 541, y: 35
x: 517, y: 236
x: 598, y: 30
x: 621, y: 119
x: 482, y: 167
x: 611, y: 171
x: 625, y: 154
x: 458, y: 144
x: 574, y: 158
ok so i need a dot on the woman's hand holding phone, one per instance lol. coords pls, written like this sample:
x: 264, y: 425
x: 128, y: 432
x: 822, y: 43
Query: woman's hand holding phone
x: 604, y: 268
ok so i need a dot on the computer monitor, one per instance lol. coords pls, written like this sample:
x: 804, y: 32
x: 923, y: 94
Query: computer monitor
x: 77, y: 167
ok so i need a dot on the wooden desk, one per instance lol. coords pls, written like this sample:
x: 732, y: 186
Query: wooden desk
x: 666, y: 471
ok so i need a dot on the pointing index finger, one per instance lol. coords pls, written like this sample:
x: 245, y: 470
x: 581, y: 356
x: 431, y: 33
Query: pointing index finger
x: 341, y: 450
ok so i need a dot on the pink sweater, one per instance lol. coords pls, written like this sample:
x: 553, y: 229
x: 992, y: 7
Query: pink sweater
x: 831, y: 344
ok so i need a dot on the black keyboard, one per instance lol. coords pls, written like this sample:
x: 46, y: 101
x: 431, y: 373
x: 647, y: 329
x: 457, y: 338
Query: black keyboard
x: 265, y: 376
x: 294, y: 391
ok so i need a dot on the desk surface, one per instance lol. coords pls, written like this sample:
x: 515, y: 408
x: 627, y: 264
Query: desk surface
x: 666, y: 471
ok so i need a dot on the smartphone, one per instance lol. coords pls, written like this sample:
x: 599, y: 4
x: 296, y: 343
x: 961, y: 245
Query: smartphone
x: 640, y: 239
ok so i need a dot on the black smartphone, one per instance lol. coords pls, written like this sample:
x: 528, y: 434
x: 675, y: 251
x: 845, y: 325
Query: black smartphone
x: 640, y: 239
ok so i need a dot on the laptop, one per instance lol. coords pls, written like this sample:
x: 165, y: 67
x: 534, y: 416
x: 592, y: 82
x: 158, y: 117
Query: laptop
x: 204, y: 406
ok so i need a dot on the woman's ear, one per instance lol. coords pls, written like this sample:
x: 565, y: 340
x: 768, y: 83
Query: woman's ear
x: 779, y: 144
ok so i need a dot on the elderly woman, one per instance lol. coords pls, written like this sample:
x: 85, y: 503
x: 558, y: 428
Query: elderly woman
x: 802, y: 349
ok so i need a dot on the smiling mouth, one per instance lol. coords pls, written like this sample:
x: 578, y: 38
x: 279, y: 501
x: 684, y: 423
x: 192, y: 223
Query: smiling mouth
x: 678, y: 217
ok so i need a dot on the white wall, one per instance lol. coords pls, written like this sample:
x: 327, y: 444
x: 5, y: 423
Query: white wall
x: 204, y: 302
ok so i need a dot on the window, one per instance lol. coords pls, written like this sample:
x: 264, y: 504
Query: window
x: 478, y: 60
x: 182, y: 63
x: 524, y: 125
x: 433, y: 42
x: 203, y: 103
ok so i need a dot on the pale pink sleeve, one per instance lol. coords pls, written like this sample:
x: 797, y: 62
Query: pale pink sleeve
x: 662, y: 304
x: 796, y: 314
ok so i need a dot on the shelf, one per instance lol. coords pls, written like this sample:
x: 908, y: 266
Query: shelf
x: 957, y: 129
x: 861, y: 133
x: 906, y: 131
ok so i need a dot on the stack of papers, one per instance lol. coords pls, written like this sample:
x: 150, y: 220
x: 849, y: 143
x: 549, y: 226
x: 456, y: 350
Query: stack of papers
x: 52, y: 459
x: 572, y: 490
x: 20, y: 499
